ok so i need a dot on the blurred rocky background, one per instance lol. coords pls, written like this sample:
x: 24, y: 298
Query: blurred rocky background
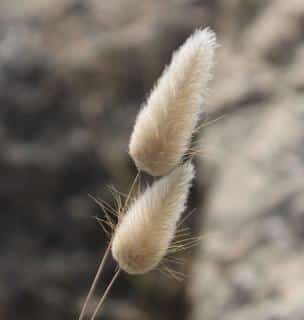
x: 73, y: 75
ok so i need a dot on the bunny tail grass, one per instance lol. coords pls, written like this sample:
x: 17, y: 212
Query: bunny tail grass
x: 144, y: 235
x: 164, y: 127
x: 104, y: 296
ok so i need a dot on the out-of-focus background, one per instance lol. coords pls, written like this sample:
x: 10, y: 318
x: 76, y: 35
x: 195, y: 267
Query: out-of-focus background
x: 73, y: 75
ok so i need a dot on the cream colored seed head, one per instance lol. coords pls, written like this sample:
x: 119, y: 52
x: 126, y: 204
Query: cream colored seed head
x: 142, y: 238
x: 164, y: 127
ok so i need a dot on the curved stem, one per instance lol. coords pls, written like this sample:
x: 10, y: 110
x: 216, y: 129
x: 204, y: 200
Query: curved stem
x: 131, y: 191
x: 94, y: 283
x: 104, y: 296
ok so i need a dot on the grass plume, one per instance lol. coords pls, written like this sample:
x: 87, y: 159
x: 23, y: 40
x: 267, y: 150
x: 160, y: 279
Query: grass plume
x: 144, y: 230
x: 144, y: 235
x: 164, y: 127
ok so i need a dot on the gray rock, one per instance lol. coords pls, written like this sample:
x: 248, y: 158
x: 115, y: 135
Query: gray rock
x: 250, y: 264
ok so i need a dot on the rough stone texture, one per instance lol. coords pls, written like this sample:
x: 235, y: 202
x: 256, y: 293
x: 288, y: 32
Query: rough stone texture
x: 251, y: 263
x: 72, y: 76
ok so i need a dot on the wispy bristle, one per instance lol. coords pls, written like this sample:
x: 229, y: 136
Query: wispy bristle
x: 144, y: 235
x: 165, y: 125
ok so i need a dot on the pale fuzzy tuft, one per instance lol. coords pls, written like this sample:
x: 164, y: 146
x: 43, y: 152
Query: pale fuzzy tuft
x: 144, y: 235
x: 164, y: 127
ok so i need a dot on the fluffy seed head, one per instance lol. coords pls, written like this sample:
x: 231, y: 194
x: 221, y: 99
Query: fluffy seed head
x: 164, y: 127
x: 142, y: 238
